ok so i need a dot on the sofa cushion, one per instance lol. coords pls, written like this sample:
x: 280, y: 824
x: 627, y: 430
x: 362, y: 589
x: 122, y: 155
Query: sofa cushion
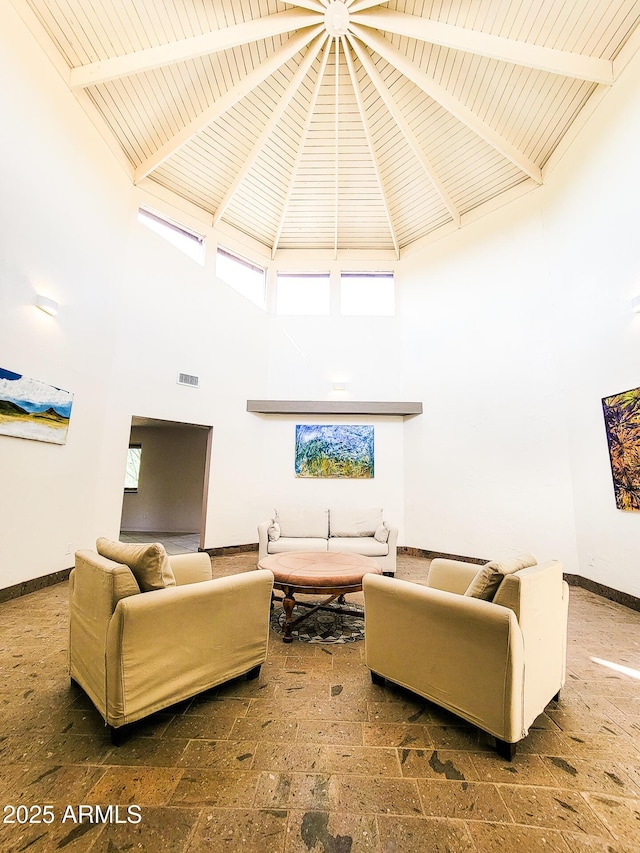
x: 354, y: 522
x: 487, y: 580
x: 295, y: 543
x: 148, y: 562
x: 274, y: 532
x: 311, y: 523
x: 365, y: 545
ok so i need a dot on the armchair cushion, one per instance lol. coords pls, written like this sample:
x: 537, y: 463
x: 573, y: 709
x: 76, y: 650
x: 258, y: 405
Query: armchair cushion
x: 148, y: 562
x: 487, y: 580
x: 354, y: 522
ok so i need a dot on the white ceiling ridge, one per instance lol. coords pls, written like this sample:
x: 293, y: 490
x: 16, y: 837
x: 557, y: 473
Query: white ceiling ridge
x: 370, y: 143
x: 564, y: 63
x: 280, y: 57
x: 459, y: 110
x: 190, y: 48
x: 403, y: 125
x: 283, y: 102
x: 301, y: 144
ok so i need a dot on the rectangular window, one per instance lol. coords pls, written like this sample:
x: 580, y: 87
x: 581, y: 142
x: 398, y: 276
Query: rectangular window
x: 367, y: 294
x: 243, y: 276
x: 132, y: 474
x: 182, y: 238
x: 303, y: 294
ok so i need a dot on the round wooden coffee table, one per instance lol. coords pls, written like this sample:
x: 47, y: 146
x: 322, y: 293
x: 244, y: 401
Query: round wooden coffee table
x: 316, y: 573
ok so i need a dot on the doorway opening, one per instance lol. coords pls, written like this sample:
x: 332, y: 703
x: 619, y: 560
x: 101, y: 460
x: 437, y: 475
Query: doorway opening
x: 166, y: 485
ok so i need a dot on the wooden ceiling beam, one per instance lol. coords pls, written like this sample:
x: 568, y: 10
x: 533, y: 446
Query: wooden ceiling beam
x: 178, y: 51
x: 405, y: 129
x: 370, y: 143
x: 359, y: 5
x: 312, y: 5
x: 301, y: 144
x: 283, y: 102
x: 434, y: 90
x: 281, y: 56
x: 529, y: 55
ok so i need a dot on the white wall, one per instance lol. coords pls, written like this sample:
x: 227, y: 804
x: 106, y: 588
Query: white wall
x: 487, y: 468
x: 284, y: 489
x: 592, y: 245
x: 306, y: 355
x: 63, y: 233
x: 515, y: 329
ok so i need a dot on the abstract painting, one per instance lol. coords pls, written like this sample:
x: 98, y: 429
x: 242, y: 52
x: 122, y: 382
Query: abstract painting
x: 32, y: 409
x: 622, y: 424
x: 334, y: 451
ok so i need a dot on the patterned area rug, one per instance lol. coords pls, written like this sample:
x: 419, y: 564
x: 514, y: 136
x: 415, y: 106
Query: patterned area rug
x: 323, y: 626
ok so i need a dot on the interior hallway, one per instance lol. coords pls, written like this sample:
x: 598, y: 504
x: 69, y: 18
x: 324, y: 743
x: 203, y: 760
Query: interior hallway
x: 314, y: 757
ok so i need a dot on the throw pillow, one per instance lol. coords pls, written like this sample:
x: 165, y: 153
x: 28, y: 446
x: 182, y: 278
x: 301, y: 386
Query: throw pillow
x: 274, y: 532
x: 382, y: 533
x: 487, y: 580
x: 149, y: 562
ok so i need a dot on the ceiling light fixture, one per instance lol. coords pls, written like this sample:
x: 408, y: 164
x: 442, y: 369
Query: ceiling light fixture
x: 635, y: 304
x: 49, y: 306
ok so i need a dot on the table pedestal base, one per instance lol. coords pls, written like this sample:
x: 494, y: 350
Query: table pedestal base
x: 289, y: 602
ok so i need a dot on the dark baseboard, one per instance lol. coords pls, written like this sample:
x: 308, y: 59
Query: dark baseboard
x: 229, y: 550
x: 432, y: 555
x: 616, y: 595
x: 607, y: 592
x: 33, y: 585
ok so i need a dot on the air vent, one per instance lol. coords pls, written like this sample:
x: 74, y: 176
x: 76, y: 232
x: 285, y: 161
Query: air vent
x: 188, y: 379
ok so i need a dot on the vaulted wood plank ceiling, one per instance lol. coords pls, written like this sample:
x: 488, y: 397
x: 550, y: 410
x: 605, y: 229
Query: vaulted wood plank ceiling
x: 338, y: 124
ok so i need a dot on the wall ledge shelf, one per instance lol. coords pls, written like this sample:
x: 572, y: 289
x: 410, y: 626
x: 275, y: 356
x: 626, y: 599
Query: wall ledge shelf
x: 333, y: 407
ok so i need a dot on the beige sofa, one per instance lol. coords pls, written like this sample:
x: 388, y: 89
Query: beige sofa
x: 356, y: 531
x: 147, y: 631
x: 494, y: 658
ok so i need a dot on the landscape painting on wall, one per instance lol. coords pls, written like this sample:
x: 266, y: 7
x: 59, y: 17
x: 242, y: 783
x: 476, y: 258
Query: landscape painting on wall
x: 622, y: 423
x: 334, y: 451
x: 32, y: 409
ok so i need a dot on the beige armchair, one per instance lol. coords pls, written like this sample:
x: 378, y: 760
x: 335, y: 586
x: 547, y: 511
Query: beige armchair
x: 495, y: 663
x: 135, y: 652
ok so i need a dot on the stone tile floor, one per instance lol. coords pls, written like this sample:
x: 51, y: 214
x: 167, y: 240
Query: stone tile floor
x: 174, y: 543
x: 313, y: 758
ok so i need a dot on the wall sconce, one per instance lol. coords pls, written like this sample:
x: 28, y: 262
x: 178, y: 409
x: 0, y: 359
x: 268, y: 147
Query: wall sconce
x: 49, y: 306
x: 635, y: 304
x: 339, y: 386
